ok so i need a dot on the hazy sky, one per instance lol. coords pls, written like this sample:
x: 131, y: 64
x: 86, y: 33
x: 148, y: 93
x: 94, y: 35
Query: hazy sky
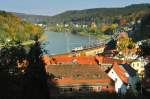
x: 52, y: 7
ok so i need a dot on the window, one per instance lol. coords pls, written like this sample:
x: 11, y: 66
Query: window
x: 133, y: 64
x: 91, y: 89
x: 70, y: 89
x: 115, y: 79
x: 137, y: 64
x: 99, y: 88
x: 80, y: 89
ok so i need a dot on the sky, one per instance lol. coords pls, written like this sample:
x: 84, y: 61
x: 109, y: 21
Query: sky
x: 53, y: 7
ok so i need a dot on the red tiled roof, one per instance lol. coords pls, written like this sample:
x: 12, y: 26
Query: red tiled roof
x: 107, y: 60
x: 79, y: 60
x: 86, y: 60
x: 91, y: 60
x: 120, y: 72
x: 62, y: 59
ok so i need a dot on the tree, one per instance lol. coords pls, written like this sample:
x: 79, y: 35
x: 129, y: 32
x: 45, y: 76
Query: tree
x: 27, y: 83
x: 123, y: 21
x: 104, y: 27
x: 14, y: 28
x: 125, y: 44
x: 113, y: 27
x: 145, y: 47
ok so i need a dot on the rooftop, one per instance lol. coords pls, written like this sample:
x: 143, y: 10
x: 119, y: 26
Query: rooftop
x: 77, y: 71
x: 129, y: 69
x: 90, y: 60
x: 107, y: 60
x: 120, y: 72
x: 78, y: 74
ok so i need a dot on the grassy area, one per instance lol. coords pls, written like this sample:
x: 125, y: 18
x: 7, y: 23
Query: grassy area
x: 29, y: 42
x: 103, y: 37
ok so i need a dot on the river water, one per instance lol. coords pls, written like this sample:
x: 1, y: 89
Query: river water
x: 59, y: 42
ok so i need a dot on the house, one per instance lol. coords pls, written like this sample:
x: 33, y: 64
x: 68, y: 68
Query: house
x: 93, y: 25
x: 69, y: 79
x: 138, y: 65
x: 106, y: 62
x: 125, y: 78
x: 90, y: 60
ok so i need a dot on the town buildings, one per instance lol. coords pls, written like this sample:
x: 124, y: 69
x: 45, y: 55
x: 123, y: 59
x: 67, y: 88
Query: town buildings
x: 90, y: 74
x: 125, y: 78
x: 69, y: 79
x: 138, y: 65
x: 76, y: 71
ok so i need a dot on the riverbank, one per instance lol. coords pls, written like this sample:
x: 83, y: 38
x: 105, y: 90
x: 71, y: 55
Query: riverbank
x: 29, y: 42
x: 25, y: 43
x: 97, y: 36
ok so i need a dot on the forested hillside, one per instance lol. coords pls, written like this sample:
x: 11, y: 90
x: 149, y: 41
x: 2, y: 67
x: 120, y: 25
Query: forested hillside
x: 12, y: 28
x: 100, y: 13
x: 88, y: 14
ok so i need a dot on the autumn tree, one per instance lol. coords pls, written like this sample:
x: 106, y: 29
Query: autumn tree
x: 15, y: 29
x: 124, y: 43
x: 123, y: 21
x: 104, y: 27
x: 113, y: 27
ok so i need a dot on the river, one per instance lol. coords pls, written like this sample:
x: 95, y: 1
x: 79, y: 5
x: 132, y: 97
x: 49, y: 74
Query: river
x: 59, y: 42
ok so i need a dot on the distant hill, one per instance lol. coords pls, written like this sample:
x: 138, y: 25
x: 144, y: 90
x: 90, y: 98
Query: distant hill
x: 87, y: 15
x: 92, y: 14
x: 34, y: 18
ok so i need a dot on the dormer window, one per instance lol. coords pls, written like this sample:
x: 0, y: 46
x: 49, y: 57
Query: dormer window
x: 115, y: 79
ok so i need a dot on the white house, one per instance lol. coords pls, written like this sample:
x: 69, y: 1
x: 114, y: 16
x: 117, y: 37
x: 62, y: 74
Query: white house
x: 124, y: 76
x: 139, y: 66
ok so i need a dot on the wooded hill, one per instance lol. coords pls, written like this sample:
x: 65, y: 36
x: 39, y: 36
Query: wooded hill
x: 100, y: 13
x: 87, y: 15
x: 12, y: 28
